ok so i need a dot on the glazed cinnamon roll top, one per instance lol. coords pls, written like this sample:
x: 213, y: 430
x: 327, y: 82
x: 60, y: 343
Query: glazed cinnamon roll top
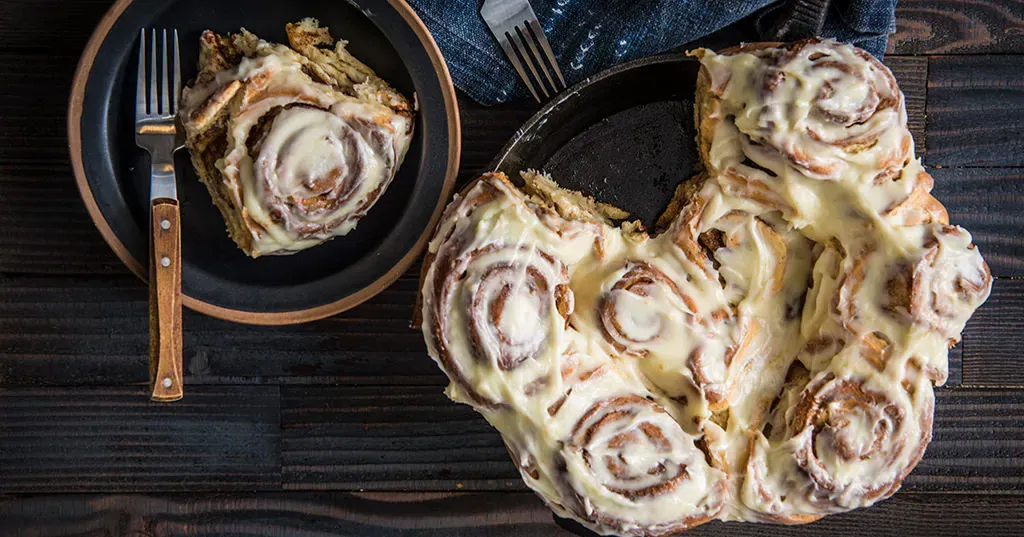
x: 293, y: 148
x: 770, y: 356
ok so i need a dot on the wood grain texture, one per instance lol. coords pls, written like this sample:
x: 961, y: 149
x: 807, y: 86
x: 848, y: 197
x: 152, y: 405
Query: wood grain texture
x: 44, y: 227
x: 993, y: 341
x: 48, y: 26
x: 51, y: 237
x: 912, y: 76
x: 958, y: 27
x: 380, y: 438
x: 352, y: 402
x: 115, y: 439
x: 988, y: 202
x: 477, y: 514
x: 975, y: 111
x: 414, y: 438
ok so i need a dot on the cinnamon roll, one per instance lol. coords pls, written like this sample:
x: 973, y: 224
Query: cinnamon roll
x: 642, y: 307
x: 634, y: 471
x: 769, y: 356
x: 294, y: 144
x: 848, y: 443
x: 847, y: 104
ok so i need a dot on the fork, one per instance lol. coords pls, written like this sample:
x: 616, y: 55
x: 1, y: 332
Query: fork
x: 157, y: 133
x: 515, y: 26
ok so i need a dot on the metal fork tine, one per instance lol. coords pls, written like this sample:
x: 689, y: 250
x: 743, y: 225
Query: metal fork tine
x: 518, y: 66
x: 140, y: 78
x: 165, y: 98
x: 177, y: 76
x: 531, y: 41
x: 538, y: 33
x: 154, y: 105
x: 517, y: 43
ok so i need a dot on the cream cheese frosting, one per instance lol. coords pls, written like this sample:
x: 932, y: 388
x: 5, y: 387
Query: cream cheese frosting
x: 303, y: 157
x: 770, y: 356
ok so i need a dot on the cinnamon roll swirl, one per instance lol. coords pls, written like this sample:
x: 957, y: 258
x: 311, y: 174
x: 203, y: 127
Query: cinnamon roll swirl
x: 641, y: 307
x: 634, y: 471
x: 770, y: 356
x: 848, y: 443
x: 294, y: 144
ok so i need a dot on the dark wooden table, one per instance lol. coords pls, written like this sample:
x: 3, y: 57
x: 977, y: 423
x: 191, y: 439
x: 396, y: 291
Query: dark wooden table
x: 340, y: 427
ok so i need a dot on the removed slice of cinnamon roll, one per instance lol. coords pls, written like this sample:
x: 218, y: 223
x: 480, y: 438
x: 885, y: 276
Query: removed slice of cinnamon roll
x: 295, y: 144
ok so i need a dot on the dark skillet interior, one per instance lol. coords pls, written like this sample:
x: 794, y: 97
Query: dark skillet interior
x: 214, y: 269
x: 625, y: 136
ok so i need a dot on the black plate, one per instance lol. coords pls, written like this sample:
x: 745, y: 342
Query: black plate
x: 625, y: 136
x: 217, y: 278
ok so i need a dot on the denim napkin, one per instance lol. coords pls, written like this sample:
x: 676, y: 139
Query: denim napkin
x: 588, y: 36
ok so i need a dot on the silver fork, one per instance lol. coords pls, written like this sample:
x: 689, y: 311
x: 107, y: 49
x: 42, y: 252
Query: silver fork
x: 157, y: 133
x: 515, y: 26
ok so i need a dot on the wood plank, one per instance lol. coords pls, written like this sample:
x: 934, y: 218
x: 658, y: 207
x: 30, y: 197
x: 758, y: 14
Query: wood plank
x: 92, y: 331
x: 33, y: 108
x: 44, y: 227
x: 957, y: 27
x: 478, y: 514
x: 379, y: 438
x: 49, y: 26
x: 975, y: 111
x: 912, y: 75
x: 992, y: 340
x: 988, y: 202
x: 413, y: 438
x: 60, y: 331
x: 114, y: 439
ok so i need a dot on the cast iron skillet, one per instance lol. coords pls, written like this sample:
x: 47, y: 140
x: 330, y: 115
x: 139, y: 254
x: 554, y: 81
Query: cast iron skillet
x: 217, y: 278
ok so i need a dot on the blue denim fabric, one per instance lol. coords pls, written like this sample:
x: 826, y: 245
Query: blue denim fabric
x: 591, y: 35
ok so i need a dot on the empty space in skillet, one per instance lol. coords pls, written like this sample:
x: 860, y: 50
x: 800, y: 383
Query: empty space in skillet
x: 214, y: 269
x: 625, y: 136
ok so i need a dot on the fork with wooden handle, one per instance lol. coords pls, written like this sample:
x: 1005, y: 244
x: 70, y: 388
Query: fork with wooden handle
x: 156, y: 132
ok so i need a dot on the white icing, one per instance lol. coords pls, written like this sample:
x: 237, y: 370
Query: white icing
x: 788, y: 327
x: 321, y: 163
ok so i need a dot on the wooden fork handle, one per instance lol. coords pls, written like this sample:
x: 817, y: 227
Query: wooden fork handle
x: 165, y: 368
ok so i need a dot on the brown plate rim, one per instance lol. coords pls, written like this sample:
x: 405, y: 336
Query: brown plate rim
x: 75, y: 108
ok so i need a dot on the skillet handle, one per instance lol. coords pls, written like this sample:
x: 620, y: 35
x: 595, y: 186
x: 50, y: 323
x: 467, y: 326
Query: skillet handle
x: 797, y: 19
